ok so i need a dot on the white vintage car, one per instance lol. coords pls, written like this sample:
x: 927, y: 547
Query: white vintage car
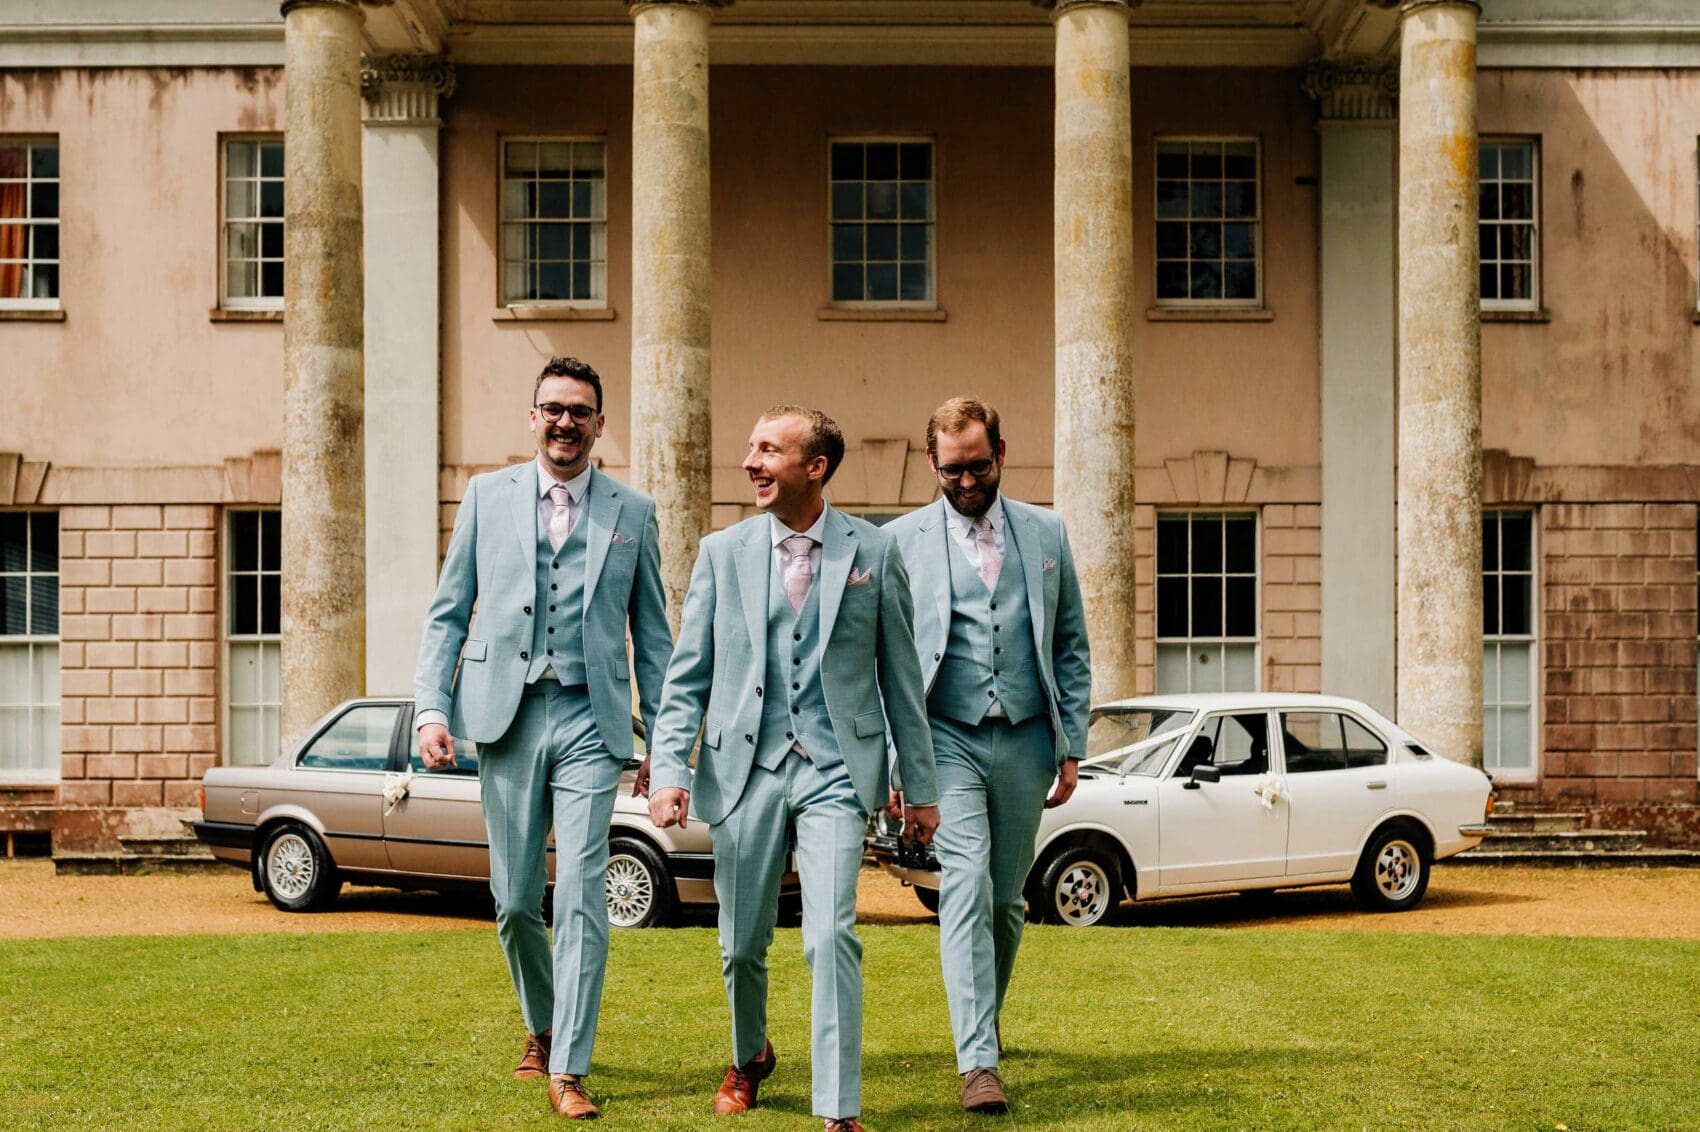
x: 1188, y: 794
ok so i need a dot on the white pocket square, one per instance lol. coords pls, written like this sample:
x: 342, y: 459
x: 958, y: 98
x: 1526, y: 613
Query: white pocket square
x: 1050, y: 564
x: 617, y: 538
x: 859, y: 578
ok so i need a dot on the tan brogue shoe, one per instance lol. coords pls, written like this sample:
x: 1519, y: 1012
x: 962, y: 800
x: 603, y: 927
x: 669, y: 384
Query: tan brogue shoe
x: 843, y: 1124
x: 567, y: 1096
x: 535, y: 1062
x: 982, y: 1091
x: 738, y: 1091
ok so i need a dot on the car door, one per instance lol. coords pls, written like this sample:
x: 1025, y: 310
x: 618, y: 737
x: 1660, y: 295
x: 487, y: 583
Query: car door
x: 438, y: 829
x: 1215, y: 835
x: 338, y: 776
x: 1337, y: 783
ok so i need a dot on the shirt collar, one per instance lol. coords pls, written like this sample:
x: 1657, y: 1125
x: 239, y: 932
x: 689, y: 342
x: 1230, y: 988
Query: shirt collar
x: 576, y: 487
x: 779, y: 532
x: 963, y: 524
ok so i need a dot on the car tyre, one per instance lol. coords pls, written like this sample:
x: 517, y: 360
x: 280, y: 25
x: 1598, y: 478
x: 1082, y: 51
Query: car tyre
x: 296, y: 870
x: 929, y: 898
x: 1392, y: 875
x: 1079, y: 887
x: 638, y: 885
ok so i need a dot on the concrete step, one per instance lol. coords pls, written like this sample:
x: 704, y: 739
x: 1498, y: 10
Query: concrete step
x: 1535, y: 822
x: 1580, y: 840
x: 132, y: 864
x: 165, y: 846
x: 1648, y: 858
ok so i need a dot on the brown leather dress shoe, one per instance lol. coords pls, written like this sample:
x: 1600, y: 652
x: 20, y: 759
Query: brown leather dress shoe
x: 738, y: 1091
x: 843, y: 1124
x: 982, y: 1091
x: 567, y: 1097
x: 535, y: 1063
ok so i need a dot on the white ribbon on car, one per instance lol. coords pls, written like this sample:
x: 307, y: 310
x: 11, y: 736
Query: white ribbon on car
x: 1270, y: 788
x: 395, y: 789
x: 1112, y: 760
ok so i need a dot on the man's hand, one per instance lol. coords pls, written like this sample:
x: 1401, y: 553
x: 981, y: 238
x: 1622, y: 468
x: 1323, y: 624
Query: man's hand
x: 919, y: 823
x: 436, y: 746
x: 669, y: 806
x: 894, y: 804
x: 640, y: 787
x: 1068, y: 775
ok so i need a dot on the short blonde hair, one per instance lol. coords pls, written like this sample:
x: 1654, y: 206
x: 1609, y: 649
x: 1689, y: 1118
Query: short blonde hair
x: 953, y: 416
x: 824, y: 439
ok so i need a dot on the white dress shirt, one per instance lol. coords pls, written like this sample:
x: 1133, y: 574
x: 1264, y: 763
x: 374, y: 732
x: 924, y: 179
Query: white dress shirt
x: 779, y: 532
x: 962, y: 529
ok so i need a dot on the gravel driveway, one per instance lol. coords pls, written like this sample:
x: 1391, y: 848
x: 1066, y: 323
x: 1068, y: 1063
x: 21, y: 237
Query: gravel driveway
x: 1462, y: 899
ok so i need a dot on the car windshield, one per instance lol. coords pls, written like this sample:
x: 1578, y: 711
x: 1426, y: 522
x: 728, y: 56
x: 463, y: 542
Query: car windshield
x: 1134, y: 740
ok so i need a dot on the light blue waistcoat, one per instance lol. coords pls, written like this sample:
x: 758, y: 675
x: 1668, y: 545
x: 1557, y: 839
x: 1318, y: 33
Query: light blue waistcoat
x: 561, y: 608
x: 793, y: 682
x: 989, y: 650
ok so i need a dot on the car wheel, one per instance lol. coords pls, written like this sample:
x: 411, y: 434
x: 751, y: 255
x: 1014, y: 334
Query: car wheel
x: 296, y: 869
x: 1393, y: 872
x: 929, y: 898
x: 1080, y: 887
x: 638, y: 886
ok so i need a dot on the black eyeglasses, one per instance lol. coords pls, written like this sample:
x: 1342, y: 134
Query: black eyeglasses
x: 552, y: 412
x: 979, y: 469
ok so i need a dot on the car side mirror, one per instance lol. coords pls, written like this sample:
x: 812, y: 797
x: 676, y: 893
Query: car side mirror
x: 1203, y: 772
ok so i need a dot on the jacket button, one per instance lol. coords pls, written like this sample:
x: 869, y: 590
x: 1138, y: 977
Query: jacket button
x: 790, y: 735
x: 758, y: 691
x: 528, y: 609
x: 749, y: 738
x: 795, y: 710
x: 551, y: 609
x: 796, y: 636
x: 995, y: 628
x: 553, y: 586
x: 994, y: 605
x: 996, y: 651
x: 551, y: 630
x: 551, y: 652
x: 991, y: 695
x: 796, y: 687
x: 524, y: 656
x: 796, y: 660
x: 935, y: 656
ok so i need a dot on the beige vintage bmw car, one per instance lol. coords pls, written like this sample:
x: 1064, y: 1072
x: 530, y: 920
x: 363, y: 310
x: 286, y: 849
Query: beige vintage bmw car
x: 355, y: 802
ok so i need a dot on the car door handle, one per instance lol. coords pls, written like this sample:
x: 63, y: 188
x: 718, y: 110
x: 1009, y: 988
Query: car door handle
x: 1378, y: 786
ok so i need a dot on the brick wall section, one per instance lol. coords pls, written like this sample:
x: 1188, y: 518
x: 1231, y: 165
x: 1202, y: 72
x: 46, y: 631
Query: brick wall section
x: 1292, y: 597
x: 1618, y: 635
x: 138, y: 654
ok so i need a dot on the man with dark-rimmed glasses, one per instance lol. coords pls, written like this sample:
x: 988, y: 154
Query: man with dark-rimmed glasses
x: 560, y: 560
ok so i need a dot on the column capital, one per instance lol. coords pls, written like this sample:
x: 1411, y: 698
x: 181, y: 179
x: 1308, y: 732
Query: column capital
x: 405, y: 89
x: 1059, y: 7
x: 1406, y: 7
x: 1354, y: 89
x: 287, y: 5
x: 633, y: 7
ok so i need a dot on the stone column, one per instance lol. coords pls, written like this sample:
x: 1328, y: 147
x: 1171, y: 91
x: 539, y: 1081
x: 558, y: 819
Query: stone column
x: 1440, y: 381
x: 403, y: 354
x: 672, y: 457
x: 1093, y: 249
x: 324, y: 549
x: 1357, y: 123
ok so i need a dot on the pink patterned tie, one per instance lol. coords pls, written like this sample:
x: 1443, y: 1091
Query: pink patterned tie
x: 560, y: 519
x: 990, y: 560
x: 799, y: 571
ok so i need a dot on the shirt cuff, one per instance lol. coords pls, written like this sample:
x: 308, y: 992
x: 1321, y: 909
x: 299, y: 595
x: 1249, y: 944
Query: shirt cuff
x: 429, y: 715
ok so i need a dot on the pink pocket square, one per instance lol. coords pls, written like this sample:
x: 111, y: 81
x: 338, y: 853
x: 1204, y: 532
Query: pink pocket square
x: 1050, y: 564
x: 619, y: 538
x: 859, y: 578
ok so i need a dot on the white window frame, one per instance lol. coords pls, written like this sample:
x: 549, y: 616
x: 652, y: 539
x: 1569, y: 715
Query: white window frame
x: 31, y: 642
x: 1256, y: 221
x: 502, y: 223
x: 1491, y: 642
x: 1533, y: 302
x: 226, y: 300
x: 57, y: 301
x: 931, y: 303
x: 1219, y: 643
x: 266, y: 642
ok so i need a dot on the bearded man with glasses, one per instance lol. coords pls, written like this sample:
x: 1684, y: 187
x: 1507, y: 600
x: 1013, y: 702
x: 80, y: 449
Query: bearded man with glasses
x: 1000, y: 630
x: 560, y: 560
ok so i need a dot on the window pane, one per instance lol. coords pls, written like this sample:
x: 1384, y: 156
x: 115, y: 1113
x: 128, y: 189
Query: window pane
x: 244, y: 740
x: 1242, y: 607
x: 1362, y: 748
x: 1172, y: 279
x: 43, y: 282
x: 516, y: 200
x: 14, y: 619
x: 581, y: 281
x: 44, y: 606
x: 1172, y: 669
x: 846, y: 241
x: 1171, y: 160
x: 1239, y: 668
x: 1312, y: 742
x: 15, y: 751
x: 1241, y: 537
x: 1171, y: 240
x: 554, y: 281
x: 1206, y: 545
x: 1515, y: 752
x: 913, y: 277
x: 270, y: 595
x: 1490, y: 604
x: 1205, y: 240
x: 554, y: 200
x: 271, y: 674
x: 1239, y: 160
x: 244, y: 540
x: 44, y: 542
x: 914, y: 240
x: 847, y: 202
x: 1171, y: 607
x: 44, y: 161
x: 1206, y: 160
x: 1207, y: 607
x: 244, y: 673
x: 241, y: 159
x: 1490, y: 673
x: 1516, y: 241
x: 1489, y: 281
x: 847, y: 282
x: 553, y: 241
x: 44, y: 200
x: 1239, y: 280
x: 271, y: 198
x: 1206, y: 198
x: 520, y: 157
x: 241, y: 240
x: 244, y: 604
x: 44, y: 241
x: 915, y: 161
x: 846, y: 161
x: 271, y: 540
x: 14, y: 539
x: 882, y: 281
x: 271, y: 280
x: 1171, y: 545
x: 882, y: 161
x: 916, y: 201
x: 581, y: 199
x: 1514, y: 611
x: 1239, y: 241
x: 1206, y: 281
x: 882, y: 200
x: 359, y: 740
x: 241, y: 200
x: 1514, y: 674
x: 1172, y: 199
x: 1514, y: 281
x: 1240, y: 199
x: 1515, y: 532
x: 271, y: 159
x: 1489, y: 202
x: 882, y: 241
x: 1490, y: 541
x: 1489, y: 237
x: 555, y: 159
x: 271, y: 241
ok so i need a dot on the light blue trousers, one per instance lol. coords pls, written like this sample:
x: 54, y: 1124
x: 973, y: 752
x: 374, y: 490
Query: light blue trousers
x: 993, y: 779
x: 749, y: 858
x: 552, y: 768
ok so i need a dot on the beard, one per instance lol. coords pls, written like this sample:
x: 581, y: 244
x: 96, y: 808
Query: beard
x: 972, y: 502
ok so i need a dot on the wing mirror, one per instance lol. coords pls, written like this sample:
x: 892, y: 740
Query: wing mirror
x: 1203, y: 772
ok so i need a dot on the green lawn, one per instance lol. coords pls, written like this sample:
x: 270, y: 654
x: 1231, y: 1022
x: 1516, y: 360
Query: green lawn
x: 1109, y: 1028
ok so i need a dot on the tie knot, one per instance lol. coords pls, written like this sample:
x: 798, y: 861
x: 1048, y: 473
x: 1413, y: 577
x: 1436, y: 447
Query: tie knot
x: 982, y: 525
x: 797, y: 546
x: 559, y: 495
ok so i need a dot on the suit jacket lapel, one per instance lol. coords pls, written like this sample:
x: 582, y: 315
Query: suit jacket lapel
x: 1021, y: 528
x: 524, y: 502
x: 755, y: 566
x: 939, y: 523
x: 836, y: 553
x: 602, y: 511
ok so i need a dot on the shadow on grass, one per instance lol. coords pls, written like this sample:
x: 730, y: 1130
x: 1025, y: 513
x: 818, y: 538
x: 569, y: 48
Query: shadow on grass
x: 1252, y: 909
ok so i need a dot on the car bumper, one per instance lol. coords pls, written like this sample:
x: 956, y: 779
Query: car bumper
x: 1475, y: 829
x: 225, y: 835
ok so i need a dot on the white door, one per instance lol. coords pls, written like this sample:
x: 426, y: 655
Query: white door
x: 1338, y: 786
x: 1213, y: 835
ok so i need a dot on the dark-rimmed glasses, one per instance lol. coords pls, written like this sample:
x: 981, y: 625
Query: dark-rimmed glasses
x: 979, y: 469
x: 553, y: 413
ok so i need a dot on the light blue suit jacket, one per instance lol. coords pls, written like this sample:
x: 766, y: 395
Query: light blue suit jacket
x: 492, y: 563
x: 868, y: 670
x: 1053, y: 603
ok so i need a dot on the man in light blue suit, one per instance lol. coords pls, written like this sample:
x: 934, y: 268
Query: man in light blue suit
x: 559, y: 560
x: 1000, y: 632
x: 794, y: 654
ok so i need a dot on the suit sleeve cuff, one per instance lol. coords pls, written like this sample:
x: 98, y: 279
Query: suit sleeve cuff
x: 427, y: 716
